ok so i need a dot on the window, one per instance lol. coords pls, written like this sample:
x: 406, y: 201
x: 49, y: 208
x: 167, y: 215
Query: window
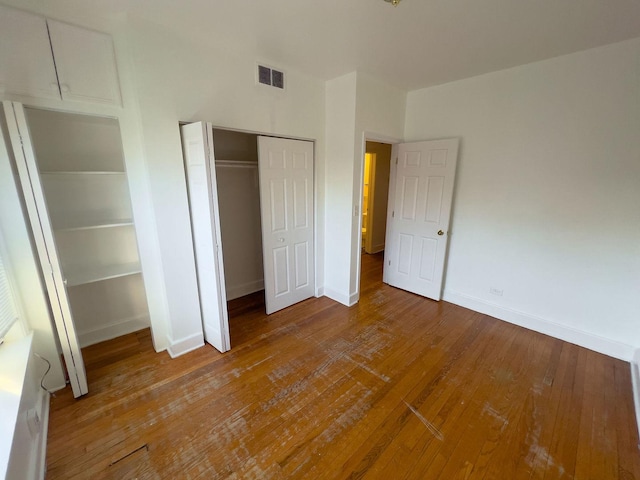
x: 8, y: 313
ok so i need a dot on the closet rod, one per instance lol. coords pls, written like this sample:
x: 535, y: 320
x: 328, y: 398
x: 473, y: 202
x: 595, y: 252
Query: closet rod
x: 236, y: 164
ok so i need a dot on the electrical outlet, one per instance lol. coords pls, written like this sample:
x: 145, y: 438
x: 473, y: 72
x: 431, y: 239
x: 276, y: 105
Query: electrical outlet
x: 495, y: 291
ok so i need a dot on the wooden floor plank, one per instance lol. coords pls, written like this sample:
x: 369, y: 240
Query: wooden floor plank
x: 397, y: 386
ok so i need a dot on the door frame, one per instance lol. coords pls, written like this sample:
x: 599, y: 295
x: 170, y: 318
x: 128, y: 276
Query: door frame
x: 318, y: 283
x: 356, y: 244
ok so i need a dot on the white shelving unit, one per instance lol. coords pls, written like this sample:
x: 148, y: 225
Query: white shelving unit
x: 85, y: 186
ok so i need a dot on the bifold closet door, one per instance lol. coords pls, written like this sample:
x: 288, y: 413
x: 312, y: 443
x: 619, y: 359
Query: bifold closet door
x: 197, y: 144
x: 45, y: 244
x: 286, y: 205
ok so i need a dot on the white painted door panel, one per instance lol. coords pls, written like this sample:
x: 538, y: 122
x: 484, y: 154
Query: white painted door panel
x: 286, y: 204
x: 26, y: 63
x: 45, y: 245
x: 85, y: 62
x: 197, y: 142
x: 421, y: 191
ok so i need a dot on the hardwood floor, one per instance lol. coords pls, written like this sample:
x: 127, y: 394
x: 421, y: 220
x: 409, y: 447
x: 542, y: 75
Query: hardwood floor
x: 396, y: 387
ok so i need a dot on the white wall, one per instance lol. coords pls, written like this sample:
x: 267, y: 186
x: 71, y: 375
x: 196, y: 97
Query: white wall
x: 359, y: 108
x: 239, y: 206
x: 547, y: 201
x: 380, y: 115
x: 339, y: 212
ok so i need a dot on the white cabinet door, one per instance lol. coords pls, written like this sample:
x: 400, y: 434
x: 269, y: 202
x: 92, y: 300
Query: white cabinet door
x: 197, y: 145
x: 85, y: 62
x: 26, y: 64
x: 45, y: 245
x: 421, y: 190
x: 286, y: 205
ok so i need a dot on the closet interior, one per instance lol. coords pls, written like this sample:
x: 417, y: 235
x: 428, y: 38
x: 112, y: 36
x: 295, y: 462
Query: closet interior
x: 236, y: 163
x: 82, y: 172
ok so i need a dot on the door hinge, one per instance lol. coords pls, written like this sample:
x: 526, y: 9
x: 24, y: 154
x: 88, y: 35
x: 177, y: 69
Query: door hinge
x: 396, y: 160
x: 393, y: 214
x: 389, y: 262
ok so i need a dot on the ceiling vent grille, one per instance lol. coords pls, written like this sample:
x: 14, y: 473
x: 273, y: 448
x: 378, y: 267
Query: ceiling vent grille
x: 270, y: 76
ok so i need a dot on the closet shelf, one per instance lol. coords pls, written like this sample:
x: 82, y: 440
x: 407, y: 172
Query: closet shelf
x: 97, y: 274
x: 236, y: 164
x: 83, y: 172
x: 89, y: 224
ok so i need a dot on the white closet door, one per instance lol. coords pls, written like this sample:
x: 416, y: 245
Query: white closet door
x: 286, y: 205
x: 45, y: 245
x: 197, y: 144
x: 421, y: 190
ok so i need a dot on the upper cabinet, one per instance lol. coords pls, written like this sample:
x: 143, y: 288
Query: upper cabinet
x: 26, y: 63
x: 45, y: 58
x: 85, y: 63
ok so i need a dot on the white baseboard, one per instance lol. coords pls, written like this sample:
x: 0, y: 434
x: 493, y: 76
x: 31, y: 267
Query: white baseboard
x: 635, y: 384
x: 338, y: 297
x: 377, y: 248
x: 353, y: 298
x: 319, y: 292
x: 113, y: 330
x: 237, y: 291
x: 596, y: 343
x: 184, y: 345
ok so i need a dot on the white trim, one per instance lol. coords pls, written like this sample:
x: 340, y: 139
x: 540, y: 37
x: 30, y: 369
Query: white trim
x: 336, y: 296
x: 184, y: 345
x: 354, y: 298
x: 581, y: 338
x: 377, y: 248
x: 237, y: 291
x: 320, y: 292
x: 113, y: 330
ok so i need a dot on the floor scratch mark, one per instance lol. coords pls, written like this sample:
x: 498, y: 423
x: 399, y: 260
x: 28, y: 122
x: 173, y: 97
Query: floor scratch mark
x: 495, y: 414
x: 430, y: 426
x: 143, y: 447
x: 366, y: 368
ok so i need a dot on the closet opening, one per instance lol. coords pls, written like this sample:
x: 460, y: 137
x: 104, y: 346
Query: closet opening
x: 251, y: 200
x: 75, y: 189
x: 236, y: 165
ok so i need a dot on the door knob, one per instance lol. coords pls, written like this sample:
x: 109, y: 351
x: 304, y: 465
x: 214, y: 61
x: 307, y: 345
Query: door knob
x: 440, y: 232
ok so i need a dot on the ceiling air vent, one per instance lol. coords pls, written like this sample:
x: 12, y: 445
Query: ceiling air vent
x: 270, y: 76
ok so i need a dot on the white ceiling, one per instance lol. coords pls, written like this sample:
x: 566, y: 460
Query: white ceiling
x: 416, y: 44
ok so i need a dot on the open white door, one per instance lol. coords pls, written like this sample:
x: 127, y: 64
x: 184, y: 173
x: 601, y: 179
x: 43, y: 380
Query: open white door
x: 45, y: 245
x: 420, y: 194
x: 197, y: 145
x: 286, y: 205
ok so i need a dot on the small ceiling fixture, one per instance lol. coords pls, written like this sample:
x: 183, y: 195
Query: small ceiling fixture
x: 393, y: 2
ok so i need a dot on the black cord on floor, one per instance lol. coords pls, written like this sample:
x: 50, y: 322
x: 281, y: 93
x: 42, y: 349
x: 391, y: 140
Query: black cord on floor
x: 45, y: 374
